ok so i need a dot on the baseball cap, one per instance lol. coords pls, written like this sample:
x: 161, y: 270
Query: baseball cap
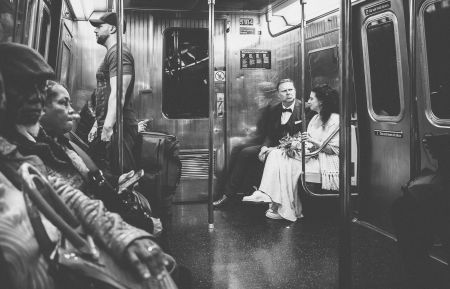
x: 19, y: 62
x: 109, y: 18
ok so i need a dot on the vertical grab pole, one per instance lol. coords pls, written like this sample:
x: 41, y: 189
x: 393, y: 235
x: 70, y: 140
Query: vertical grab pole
x: 212, y: 102
x: 119, y: 91
x: 345, y: 273
x: 302, y: 85
x: 415, y: 161
x: 303, y: 92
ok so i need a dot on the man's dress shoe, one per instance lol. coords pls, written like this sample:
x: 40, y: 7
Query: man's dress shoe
x: 221, y: 202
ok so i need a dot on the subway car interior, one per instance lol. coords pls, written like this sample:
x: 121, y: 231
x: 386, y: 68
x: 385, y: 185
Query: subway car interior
x: 206, y: 71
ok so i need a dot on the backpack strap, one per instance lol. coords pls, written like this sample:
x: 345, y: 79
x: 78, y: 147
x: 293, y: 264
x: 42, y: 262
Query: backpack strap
x: 85, y: 157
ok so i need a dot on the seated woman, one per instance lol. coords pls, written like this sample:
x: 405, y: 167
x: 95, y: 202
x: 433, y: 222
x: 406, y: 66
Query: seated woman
x: 281, y: 172
x: 63, y: 160
x: 27, y: 263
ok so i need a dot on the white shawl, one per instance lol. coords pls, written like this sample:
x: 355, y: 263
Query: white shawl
x: 329, y: 163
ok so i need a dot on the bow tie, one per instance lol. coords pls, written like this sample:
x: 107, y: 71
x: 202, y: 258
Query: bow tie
x: 287, y: 110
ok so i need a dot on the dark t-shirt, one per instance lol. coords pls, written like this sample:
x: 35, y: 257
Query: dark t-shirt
x: 108, y: 69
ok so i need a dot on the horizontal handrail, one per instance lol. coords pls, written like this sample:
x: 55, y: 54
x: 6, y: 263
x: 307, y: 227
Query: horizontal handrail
x: 315, y: 153
x: 323, y: 145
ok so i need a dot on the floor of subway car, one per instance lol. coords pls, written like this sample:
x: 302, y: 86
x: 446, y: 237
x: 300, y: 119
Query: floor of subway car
x: 246, y: 250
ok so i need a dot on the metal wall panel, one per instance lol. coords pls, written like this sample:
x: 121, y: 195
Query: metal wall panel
x: 144, y: 36
x: 245, y: 95
x: 87, y: 56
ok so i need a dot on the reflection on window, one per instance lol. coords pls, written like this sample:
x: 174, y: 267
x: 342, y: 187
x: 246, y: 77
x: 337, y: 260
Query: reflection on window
x: 323, y: 66
x: 383, y: 85
x: 437, y: 34
x: 185, y: 87
x: 44, y: 33
x: 65, y: 65
x: 30, y: 27
x: 19, y: 15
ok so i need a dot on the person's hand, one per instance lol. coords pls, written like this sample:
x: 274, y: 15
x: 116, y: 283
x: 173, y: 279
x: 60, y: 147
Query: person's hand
x: 92, y: 133
x: 307, y: 137
x: 146, y: 259
x: 143, y: 125
x: 106, y: 133
x: 264, y: 152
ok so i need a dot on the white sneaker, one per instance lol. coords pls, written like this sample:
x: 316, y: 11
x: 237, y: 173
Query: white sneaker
x: 257, y: 197
x: 273, y: 215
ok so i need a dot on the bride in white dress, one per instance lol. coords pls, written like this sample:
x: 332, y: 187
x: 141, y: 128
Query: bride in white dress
x: 281, y: 173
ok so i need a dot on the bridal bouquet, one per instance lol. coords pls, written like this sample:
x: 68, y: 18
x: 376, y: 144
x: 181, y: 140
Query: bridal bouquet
x: 292, y: 146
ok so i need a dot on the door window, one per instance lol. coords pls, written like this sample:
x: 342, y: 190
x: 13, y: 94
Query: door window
x: 435, y: 18
x: 44, y: 32
x: 185, y: 79
x: 383, y: 72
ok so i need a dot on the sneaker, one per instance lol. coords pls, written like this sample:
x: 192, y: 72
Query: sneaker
x: 257, y: 197
x: 273, y: 215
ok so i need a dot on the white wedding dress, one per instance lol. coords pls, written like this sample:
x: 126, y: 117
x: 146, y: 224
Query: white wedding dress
x: 281, y: 173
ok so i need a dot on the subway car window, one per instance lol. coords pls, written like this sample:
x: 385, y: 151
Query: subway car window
x: 20, y: 7
x: 323, y: 66
x: 185, y: 81
x: 380, y: 61
x: 30, y: 27
x: 436, y: 17
x: 44, y: 35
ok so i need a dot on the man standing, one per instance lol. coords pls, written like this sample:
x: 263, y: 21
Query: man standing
x: 282, y: 119
x: 104, y: 130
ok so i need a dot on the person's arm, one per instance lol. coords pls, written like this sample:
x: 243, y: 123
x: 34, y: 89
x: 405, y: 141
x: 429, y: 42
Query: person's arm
x: 124, y: 242
x: 332, y: 146
x: 110, y: 119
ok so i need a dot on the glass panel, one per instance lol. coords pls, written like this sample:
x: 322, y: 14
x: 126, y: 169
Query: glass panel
x: 323, y: 65
x: 384, y: 88
x: 65, y: 65
x: 185, y: 87
x: 45, y: 29
x: 30, y: 26
x: 437, y: 33
x: 19, y: 18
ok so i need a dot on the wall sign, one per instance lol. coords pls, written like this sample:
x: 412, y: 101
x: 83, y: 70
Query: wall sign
x: 251, y: 59
x: 377, y: 8
x: 246, y: 21
x: 388, y: 133
x: 219, y: 75
x: 247, y: 30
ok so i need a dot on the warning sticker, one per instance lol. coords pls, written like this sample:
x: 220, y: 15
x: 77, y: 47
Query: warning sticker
x: 219, y: 75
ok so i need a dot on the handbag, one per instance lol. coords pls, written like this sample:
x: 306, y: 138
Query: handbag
x: 77, y: 260
x: 129, y: 203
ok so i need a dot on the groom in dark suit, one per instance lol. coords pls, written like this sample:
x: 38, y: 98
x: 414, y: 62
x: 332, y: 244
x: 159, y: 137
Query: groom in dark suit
x: 281, y: 119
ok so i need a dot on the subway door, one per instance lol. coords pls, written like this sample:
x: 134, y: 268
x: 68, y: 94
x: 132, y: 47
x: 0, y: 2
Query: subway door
x: 185, y: 102
x: 433, y: 71
x: 382, y: 92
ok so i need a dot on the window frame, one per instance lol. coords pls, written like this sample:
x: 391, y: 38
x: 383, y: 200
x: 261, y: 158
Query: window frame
x: 432, y: 118
x: 367, y: 74
x: 42, y: 9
